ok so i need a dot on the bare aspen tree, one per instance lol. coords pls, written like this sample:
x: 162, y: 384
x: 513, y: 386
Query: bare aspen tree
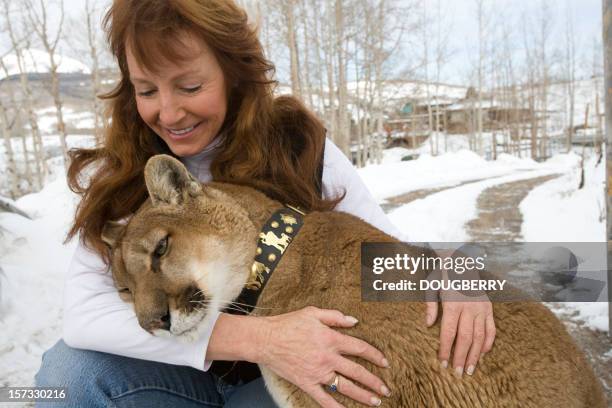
x: 482, y: 32
x: 425, y: 38
x: 330, y: 64
x: 379, y: 59
x: 18, y: 45
x: 597, y: 76
x: 40, y: 23
x: 326, y: 69
x: 360, y: 60
x: 370, y: 39
x: 288, y: 11
x: 392, y: 20
x: 570, y: 72
x: 531, y: 73
x: 545, y: 19
x: 496, y: 95
x: 358, y: 98
x: 317, y: 44
x: 11, y: 167
x: 511, y: 134
x: 10, y: 124
x: 343, y: 136
x: 263, y: 25
x: 441, y: 54
x: 92, y: 40
x: 306, y: 77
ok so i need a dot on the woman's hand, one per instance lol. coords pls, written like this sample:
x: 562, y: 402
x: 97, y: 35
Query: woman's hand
x: 302, y: 348
x: 473, y: 327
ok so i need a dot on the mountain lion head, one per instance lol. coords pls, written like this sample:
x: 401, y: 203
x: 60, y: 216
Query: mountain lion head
x: 182, y: 257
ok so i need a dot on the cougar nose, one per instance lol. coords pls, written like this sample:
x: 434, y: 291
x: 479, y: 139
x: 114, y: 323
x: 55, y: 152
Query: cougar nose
x: 165, y: 321
x: 162, y: 323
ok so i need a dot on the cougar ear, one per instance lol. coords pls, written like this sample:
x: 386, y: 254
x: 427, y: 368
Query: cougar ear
x: 111, y: 232
x: 168, y: 180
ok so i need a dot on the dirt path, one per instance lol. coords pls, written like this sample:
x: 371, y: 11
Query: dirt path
x: 499, y: 220
x: 394, y: 202
x: 499, y: 217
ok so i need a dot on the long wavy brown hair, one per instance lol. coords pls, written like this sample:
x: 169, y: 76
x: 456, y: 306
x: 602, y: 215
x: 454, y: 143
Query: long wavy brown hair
x: 272, y: 144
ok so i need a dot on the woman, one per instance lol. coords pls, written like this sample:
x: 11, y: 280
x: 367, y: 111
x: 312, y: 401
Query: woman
x: 195, y: 84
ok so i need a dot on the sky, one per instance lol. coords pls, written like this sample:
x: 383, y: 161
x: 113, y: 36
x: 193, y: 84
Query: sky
x: 459, y: 19
x: 461, y: 16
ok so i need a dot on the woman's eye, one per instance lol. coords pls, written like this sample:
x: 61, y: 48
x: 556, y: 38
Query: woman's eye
x: 192, y: 89
x: 146, y: 93
x: 161, y: 248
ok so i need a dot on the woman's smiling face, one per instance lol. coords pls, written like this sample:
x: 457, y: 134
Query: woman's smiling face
x: 184, y: 102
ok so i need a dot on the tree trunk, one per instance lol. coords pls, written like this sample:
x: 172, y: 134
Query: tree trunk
x: 343, y: 126
x: 294, y: 62
x: 378, y: 65
x: 8, y: 152
x: 57, y: 101
x: 306, y: 65
x: 95, y: 72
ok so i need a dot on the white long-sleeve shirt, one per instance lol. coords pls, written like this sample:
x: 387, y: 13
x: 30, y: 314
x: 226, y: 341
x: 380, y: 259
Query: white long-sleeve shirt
x: 95, y: 318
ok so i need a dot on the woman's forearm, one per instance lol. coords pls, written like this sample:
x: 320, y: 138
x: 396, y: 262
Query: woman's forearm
x: 236, y: 338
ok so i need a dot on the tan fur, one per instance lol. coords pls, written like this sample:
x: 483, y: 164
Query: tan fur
x: 534, y: 362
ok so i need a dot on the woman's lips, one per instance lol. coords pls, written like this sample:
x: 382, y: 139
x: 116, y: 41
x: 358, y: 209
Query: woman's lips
x: 182, y: 134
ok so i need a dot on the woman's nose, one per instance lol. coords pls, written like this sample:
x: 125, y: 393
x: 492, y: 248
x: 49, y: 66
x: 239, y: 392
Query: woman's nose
x: 170, y: 110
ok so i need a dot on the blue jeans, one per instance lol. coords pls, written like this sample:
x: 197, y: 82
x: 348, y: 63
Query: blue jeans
x: 94, y: 379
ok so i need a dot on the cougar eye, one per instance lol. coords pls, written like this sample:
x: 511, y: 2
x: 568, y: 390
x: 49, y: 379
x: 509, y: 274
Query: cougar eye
x: 161, y: 248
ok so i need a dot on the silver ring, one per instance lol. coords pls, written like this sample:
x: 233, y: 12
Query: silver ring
x: 333, y: 387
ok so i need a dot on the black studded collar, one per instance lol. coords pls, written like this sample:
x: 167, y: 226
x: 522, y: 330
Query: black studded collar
x: 275, y: 237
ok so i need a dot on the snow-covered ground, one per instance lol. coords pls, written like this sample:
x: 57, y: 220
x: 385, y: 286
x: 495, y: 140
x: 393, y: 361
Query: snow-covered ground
x: 34, y: 259
x: 582, y: 212
x: 558, y: 211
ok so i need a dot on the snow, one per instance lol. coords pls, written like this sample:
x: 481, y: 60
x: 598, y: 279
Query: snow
x: 582, y: 212
x: 32, y: 288
x: 591, y: 314
x: 428, y: 171
x: 37, y: 61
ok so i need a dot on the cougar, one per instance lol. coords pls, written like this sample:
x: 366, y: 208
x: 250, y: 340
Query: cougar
x: 189, y: 250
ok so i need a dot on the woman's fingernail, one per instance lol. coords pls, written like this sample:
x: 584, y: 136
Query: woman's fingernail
x: 459, y: 371
x: 481, y: 357
x: 385, y: 391
x: 470, y: 370
x: 375, y: 401
x: 444, y: 364
x: 385, y: 362
x: 352, y: 320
